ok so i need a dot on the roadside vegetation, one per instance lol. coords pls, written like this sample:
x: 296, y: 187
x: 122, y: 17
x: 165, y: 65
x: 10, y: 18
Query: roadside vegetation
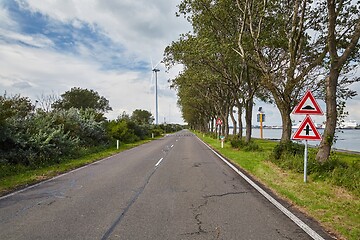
x: 332, y: 193
x: 240, y: 53
x: 55, y: 135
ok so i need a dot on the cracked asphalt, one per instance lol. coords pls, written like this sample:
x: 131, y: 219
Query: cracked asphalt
x: 190, y: 194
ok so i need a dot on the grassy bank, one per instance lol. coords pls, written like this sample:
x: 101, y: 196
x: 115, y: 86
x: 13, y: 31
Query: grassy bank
x: 13, y: 177
x: 336, y: 208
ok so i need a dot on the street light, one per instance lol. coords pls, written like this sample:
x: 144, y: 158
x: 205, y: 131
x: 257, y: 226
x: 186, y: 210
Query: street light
x: 156, y: 96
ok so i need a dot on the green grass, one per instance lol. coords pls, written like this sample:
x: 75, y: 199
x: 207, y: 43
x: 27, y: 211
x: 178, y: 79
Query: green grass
x: 15, y: 177
x: 336, y: 208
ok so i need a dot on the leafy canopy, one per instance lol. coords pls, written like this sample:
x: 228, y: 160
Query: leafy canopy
x: 82, y: 99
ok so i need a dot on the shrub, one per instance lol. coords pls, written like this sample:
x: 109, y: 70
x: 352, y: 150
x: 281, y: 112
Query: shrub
x: 239, y: 143
x: 157, y: 132
x: 287, y: 148
x: 338, y: 172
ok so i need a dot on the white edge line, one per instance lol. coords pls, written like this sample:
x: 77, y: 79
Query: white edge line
x: 284, y: 210
x: 56, y: 177
x: 157, y: 164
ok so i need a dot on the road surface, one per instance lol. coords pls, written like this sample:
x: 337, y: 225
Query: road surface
x: 171, y: 188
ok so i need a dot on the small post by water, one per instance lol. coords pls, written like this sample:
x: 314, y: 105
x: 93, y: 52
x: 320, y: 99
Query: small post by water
x: 261, y: 119
x: 261, y: 125
x: 305, y: 160
x: 222, y: 139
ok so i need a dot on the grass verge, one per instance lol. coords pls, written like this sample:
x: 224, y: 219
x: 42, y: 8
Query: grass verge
x: 336, y: 208
x: 21, y: 176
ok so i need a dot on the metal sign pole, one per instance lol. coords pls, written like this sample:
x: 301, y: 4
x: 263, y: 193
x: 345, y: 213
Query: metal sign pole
x: 305, y: 160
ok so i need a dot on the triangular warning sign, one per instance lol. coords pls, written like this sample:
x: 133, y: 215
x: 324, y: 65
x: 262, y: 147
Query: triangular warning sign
x: 308, y: 105
x: 307, y: 131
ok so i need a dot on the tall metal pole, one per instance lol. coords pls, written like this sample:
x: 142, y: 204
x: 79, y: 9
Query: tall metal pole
x: 156, y: 96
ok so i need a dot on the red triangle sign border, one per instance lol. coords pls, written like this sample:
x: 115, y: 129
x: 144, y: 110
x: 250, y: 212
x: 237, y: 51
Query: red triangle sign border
x: 299, y: 109
x: 297, y: 135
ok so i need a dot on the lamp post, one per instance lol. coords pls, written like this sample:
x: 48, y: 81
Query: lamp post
x: 156, y: 96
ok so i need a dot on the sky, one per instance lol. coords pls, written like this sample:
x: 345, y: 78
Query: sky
x: 110, y: 46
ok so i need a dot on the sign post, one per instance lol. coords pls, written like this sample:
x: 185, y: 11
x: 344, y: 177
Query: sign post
x: 305, y: 160
x: 222, y: 138
x: 261, y: 119
x: 307, y: 129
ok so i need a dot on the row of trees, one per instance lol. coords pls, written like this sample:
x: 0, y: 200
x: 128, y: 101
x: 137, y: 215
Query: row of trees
x: 241, y: 50
x: 56, y: 128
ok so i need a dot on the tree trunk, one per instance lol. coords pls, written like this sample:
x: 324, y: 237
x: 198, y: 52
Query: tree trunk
x: 240, y: 124
x: 286, y: 121
x: 212, y: 124
x: 233, y: 121
x: 331, y: 117
x: 248, y: 117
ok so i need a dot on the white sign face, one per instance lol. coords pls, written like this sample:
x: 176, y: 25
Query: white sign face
x: 308, y: 105
x: 307, y: 131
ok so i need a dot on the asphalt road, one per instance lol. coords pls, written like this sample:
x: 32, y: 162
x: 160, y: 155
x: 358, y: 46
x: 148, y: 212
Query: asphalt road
x: 172, y: 188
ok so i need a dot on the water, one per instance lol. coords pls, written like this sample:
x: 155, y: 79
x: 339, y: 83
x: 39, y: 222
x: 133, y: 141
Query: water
x: 347, y: 139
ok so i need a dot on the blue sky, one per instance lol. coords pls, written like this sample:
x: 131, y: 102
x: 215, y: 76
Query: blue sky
x: 48, y: 47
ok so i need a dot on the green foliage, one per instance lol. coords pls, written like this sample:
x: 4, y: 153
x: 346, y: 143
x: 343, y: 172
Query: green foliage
x: 82, y: 124
x: 288, y: 148
x: 122, y: 130
x: 142, y: 117
x: 336, y: 171
x: 157, y: 132
x: 40, y: 138
x: 82, y: 99
x: 169, y: 128
x: 16, y: 106
x: 239, y: 143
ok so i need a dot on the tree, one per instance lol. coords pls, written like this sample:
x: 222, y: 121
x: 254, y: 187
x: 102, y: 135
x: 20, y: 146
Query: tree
x: 82, y: 99
x: 275, y: 39
x: 343, y: 33
x: 45, y: 102
x: 13, y: 112
x: 142, y: 117
x: 209, y: 52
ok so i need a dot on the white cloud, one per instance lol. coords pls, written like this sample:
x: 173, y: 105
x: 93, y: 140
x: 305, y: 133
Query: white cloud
x: 47, y: 72
x: 143, y: 27
x: 127, y: 33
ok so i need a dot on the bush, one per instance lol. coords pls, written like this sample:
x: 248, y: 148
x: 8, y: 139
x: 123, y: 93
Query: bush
x: 82, y: 124
x: 157, y: 132
x: 288, y: 148
x: 291, y: 156
x: 239, y: 143
x: 35, y: 140
x: 337, y: 172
